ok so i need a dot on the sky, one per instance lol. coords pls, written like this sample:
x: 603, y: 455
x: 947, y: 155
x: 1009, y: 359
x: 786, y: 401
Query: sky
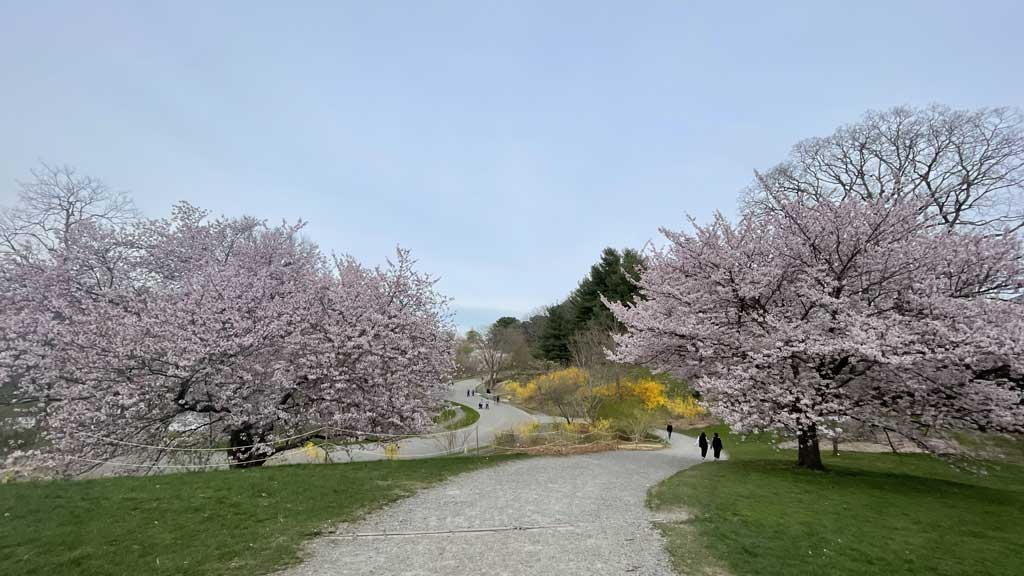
x: 504, y: 143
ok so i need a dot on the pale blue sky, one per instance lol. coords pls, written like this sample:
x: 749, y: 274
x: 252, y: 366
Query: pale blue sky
x: 505, y: 143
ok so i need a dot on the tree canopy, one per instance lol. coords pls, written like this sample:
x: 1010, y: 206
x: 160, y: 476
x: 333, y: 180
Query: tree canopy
x: 123, y: 330
x: 846, y: 294
x: 613, y: 278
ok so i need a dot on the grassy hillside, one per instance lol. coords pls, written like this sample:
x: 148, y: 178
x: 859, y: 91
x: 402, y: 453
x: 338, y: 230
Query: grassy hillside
x: 868, y: 514
x: 223, y: 522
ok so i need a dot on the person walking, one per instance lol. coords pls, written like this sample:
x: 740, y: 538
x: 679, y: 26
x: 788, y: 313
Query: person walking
x: 702, y: 441
x: 669, y: 428
x: 716, y: 445
x: 487, y: 406
x: 468, y: 393
x: 480, y: 405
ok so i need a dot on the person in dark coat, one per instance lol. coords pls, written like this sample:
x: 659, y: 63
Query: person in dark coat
x: 669, y: 428
x: 703, y: 443
x: 716, y: 445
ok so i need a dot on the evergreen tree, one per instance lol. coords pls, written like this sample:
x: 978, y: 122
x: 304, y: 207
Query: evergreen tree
x: 554, y: 340
x: 612, y: 277
x: 506, y: 322
x: 533, y: 329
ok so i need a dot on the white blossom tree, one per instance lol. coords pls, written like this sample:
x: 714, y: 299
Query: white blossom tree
x: 859, y: 284
x: 798, y: 319
x: 124, y: 329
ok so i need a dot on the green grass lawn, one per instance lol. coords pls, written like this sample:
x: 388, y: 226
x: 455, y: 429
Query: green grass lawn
x: 224, y: 522
x: 868, y: 514
x: 469, y: 417
x: 456, y: 416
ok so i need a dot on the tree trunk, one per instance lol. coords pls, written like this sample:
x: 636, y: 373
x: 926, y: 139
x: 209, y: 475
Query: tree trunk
x: 808, y: 454
x: 243, y: 454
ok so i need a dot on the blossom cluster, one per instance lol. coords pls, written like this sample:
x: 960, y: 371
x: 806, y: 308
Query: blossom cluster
x: 824, y: 311
x: 163, y: 332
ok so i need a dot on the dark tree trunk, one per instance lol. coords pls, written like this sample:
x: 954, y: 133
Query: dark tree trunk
x: 808, y: 454
x: 242, y: 453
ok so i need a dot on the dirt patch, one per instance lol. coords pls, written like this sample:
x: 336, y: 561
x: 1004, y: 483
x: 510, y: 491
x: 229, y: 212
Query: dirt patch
x: 563, y: 449
x: 643, y: 446
x: 673, y: 516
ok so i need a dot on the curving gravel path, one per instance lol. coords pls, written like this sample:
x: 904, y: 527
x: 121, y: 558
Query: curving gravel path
x: 551, y: 515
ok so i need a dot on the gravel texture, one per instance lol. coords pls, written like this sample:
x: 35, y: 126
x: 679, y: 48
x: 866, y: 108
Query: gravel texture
x: 552, y: 515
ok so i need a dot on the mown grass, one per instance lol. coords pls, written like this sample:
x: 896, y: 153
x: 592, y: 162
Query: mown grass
x: 469, y: 417
x: 224, y: 522
x: 444, y: 415
x: 868, y: 514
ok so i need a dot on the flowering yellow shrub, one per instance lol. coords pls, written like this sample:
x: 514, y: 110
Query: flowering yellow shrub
x: 569, y: 382
x: 653, y: 395
x: 570, y: 377
x: 650, y: 392
x: 521, y: 392
x: 684, y: 407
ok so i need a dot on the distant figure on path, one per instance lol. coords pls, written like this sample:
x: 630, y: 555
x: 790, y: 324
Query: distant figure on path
x: 487, y: 406
x: 468, y: 393
x: 669, y: 431
x: 716, y: 445
x: 703, y: 443
x: 481, y: 405
x: 497, y: 399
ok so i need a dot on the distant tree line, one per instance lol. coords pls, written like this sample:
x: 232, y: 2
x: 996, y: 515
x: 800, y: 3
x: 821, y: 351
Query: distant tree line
x: 574, y: 331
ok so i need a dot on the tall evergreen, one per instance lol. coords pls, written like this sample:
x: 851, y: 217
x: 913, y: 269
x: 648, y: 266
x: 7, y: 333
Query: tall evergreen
x: 612, y: 277
x: 554, y: 340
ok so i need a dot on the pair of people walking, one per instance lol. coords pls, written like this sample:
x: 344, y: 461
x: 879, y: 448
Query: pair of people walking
x: 716, y: 445
x: 702, y: 441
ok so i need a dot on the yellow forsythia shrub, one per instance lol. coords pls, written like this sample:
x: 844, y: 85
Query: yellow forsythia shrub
x: 685, y: 407
x: 567, y: 377
x: 521, y: 392
x: 650, y: 392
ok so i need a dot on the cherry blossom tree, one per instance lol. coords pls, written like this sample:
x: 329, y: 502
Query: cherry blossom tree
x: 161, y: 332
x: 827, y: 309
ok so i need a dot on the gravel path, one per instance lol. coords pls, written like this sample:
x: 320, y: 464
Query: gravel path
x: 551, y: 515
